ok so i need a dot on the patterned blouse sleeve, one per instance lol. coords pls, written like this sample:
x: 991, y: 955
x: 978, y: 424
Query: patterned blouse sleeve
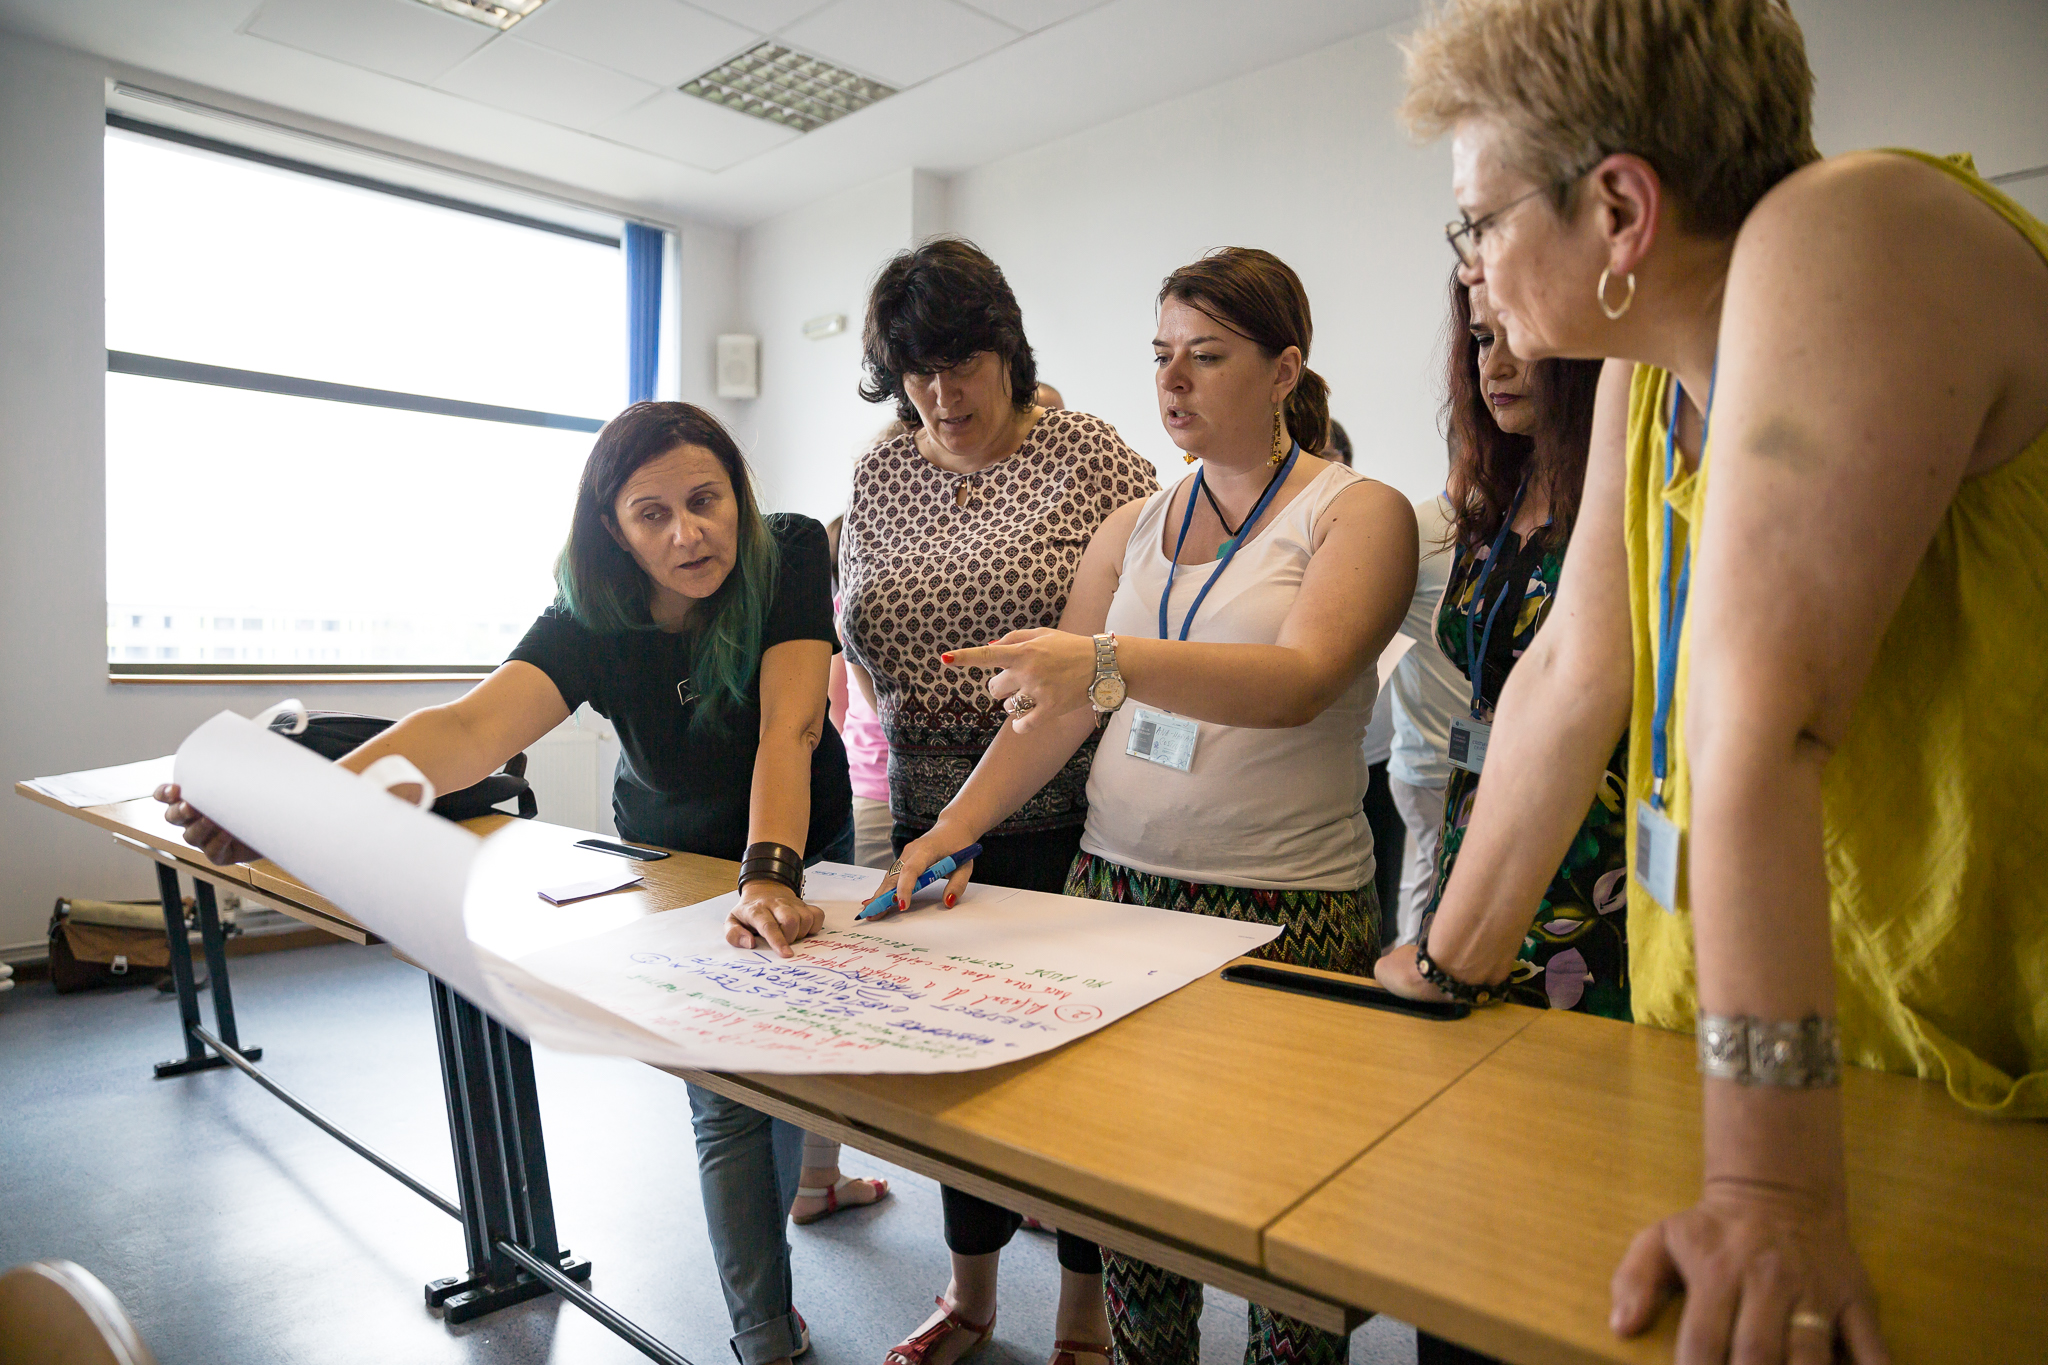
x: 1126, y: 475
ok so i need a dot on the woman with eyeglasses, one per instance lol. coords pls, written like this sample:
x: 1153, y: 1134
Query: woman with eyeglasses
x: 1810, y: 577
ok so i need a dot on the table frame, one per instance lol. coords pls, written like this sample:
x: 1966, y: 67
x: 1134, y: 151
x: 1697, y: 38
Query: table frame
x: 504, y: 1197
x: 1247, y: 1282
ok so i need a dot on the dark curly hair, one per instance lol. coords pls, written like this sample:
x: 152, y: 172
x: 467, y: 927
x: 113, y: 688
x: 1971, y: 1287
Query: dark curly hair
x: 1257, y: 295
x: 1488, y: 464
x: 932, y: 308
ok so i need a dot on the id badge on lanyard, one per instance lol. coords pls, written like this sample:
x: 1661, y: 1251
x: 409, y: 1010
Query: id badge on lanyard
x: 1469, y: 734
x: 1467, y: 748
x: 1160, y: 736
x: 1163, y: 738
x: 1660, y: 843
x: 1657, y: 848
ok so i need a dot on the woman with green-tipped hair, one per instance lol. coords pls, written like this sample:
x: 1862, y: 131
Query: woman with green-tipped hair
x: 703, y: 630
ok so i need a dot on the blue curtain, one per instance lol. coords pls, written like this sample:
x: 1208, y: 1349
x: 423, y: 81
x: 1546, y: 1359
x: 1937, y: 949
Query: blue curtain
x: 643, y: 309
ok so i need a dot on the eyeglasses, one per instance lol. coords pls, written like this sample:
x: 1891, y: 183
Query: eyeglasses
x: 1464, y: 234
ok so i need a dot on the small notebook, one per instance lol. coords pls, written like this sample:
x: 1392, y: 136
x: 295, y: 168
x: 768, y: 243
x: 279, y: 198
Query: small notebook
x: 592, y: 886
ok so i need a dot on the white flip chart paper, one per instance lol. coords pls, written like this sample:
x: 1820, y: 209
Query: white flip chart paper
x: 105, y: 786
x: 1003, y: 976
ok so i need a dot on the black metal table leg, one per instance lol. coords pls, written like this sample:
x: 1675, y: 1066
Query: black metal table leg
x: 526, y: 1158
x: 501, y: 1165
x: 215, y: 944
x: 196, y: 1057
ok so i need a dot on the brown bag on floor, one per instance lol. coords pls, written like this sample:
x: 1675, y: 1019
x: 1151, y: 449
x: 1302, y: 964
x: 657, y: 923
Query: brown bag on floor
x: 83, y: 956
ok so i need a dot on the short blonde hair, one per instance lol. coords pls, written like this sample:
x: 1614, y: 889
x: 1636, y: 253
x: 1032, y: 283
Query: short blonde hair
x: 1715, y: 94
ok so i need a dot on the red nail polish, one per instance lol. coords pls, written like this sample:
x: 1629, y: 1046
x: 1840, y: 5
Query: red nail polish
x: 950, y: 898
x: 945, y: 658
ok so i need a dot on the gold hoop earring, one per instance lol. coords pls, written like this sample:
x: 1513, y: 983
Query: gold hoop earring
x: 1600, y: 293
x: 1279, y: 439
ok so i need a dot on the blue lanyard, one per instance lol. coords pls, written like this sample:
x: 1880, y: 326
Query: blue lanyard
x: 1671, y: 600
x: 1229, y: 546
x: 1475, y: 663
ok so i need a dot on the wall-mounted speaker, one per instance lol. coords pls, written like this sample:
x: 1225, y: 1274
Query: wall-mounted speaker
x: 739, y: 366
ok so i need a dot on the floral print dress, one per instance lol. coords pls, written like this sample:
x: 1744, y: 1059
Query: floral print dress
x: 1575, y: 955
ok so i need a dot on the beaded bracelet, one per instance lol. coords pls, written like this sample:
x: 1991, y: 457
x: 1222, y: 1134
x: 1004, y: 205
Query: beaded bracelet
x: 1443, y: 980
x: 1802, y: 1054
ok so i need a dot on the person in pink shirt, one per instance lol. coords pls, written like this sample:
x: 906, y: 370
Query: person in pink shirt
x: 867, y: 749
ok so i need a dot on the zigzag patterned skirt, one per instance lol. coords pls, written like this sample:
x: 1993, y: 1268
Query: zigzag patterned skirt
x: 1337, y: 931
x: 1154, y: 1314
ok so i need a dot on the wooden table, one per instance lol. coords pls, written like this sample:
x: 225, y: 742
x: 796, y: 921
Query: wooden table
x: 1498, y: 1213
x: 1477, y: 1178
x: 1177, y: 1134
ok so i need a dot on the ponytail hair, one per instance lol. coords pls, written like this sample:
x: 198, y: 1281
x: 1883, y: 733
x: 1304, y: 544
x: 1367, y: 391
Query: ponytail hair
x: 1257, y: 295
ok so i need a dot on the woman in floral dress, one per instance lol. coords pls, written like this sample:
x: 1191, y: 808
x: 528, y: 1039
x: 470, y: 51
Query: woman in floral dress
x: 1519, y: 434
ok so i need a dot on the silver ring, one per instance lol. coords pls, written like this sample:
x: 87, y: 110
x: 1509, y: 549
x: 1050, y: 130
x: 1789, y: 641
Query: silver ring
x: 1017, y: 703
x: 1805, y: 1320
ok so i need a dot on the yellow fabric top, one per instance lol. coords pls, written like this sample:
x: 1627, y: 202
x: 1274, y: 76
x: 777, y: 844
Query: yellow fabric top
x: 1935, y: 807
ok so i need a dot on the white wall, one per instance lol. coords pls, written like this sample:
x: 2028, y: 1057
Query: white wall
x: 1962, y: 75
x: 805, y: 430
x: 1305, y: 159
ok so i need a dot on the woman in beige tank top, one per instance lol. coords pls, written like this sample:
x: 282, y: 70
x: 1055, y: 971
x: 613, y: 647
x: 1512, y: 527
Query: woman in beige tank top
x: 1229, y: 776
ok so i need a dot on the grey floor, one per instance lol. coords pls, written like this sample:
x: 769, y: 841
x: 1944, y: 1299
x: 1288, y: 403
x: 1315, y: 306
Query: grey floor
x: 237, y: 1232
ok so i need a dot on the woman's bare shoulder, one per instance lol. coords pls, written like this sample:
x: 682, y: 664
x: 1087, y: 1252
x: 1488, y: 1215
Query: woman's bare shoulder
x: 1865, y: 212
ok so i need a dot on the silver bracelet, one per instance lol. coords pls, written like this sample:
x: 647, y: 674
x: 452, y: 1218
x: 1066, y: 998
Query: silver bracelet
x: 1803, y: 1054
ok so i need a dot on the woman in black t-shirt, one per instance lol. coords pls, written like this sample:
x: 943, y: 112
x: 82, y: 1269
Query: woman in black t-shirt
x: 703, y: 630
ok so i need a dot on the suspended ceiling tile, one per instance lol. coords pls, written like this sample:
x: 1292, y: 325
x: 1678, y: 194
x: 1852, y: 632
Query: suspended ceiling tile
x: 901, y: 42
x: 663, y: 41
x: 1029, y: 15
x: 545, y: 84
x: 766, y: 15
x: 695, y: 132
x: 397, y: 37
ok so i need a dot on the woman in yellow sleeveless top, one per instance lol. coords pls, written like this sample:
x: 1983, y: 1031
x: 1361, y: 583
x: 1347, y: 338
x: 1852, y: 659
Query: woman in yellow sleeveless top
x: 1831, y: 666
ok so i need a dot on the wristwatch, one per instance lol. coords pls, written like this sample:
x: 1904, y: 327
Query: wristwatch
x: 1107, y: 692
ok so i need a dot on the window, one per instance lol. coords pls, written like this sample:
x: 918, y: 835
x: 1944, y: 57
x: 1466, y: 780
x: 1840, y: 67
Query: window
x: 344, y: 425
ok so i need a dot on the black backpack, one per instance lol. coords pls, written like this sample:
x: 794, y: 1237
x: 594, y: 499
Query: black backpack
x: 332, y: 734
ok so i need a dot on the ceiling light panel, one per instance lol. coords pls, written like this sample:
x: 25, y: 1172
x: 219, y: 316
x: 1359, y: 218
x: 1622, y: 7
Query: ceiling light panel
x: 784, y: 86
x: 499, y: 14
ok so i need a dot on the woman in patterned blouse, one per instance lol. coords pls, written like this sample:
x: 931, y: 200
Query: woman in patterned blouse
x: 964, y: 527
x: 1519, y: 434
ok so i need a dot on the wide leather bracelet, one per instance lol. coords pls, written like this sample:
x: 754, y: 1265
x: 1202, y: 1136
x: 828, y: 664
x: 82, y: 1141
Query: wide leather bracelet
x: 1800, y: 1054
x: 1443, y: 980
x: 772, y: 862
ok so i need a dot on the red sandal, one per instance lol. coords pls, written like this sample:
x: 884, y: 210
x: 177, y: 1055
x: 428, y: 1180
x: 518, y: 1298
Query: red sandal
x: 830, y: 1194
x: 1064, y: 1352
x: 914, y: 1351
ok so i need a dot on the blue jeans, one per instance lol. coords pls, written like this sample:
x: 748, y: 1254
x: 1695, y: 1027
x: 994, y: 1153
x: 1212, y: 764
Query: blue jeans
x: 747, y: 1167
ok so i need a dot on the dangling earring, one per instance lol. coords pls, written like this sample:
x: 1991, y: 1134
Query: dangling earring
x: 1189, y: 459
x: 1279, y: 440
x: 1600, y: 293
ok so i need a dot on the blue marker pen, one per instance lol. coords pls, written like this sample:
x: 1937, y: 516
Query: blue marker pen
x: 886, y: 901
